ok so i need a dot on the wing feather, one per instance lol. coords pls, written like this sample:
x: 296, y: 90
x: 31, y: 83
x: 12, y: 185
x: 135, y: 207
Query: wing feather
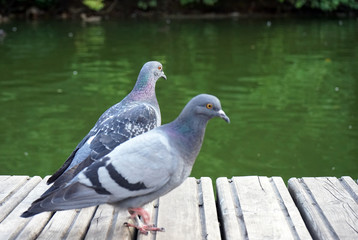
x: 109, y: 132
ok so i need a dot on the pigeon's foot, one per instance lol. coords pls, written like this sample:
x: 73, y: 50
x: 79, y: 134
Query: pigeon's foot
x: 134, y: 212
x: 144, y: 229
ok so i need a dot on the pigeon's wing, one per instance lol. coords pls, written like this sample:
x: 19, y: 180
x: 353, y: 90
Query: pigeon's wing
x: 108, y: 133
x: 117, y: 129
x: 68, y: 175
x: 69, y: 160
x: 135, y: 168
x: 69, y: 163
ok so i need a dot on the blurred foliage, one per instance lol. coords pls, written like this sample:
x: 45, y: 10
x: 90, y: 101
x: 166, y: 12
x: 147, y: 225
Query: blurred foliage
x: 38, y: 3
x: 94, y: 4
x: 324, y: 5
x: 170, y: 6
x: 205, y: 2
x: 145, y: 4
x: 45, y: 3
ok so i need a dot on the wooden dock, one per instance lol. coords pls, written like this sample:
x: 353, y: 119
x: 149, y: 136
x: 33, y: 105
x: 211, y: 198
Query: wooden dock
x: 250, y: 207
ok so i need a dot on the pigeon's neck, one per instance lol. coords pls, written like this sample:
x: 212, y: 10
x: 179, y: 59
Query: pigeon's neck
x: 144, y: 88
x: 189, y: 135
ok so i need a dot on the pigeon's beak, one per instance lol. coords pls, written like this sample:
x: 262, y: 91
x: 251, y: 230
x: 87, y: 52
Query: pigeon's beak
x: 223, y: 116
x: 163, y: 76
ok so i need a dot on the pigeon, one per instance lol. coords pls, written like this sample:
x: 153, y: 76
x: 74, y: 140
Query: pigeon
x: 137, y: 113
x: 141, y: 169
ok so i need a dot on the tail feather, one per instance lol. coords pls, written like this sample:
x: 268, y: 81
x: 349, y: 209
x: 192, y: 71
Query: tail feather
x: 71, y: 197
x: 27, y: 214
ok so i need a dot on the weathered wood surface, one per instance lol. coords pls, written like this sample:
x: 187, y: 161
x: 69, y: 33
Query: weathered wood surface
x: 246, y: 208
x: 258, y: 208
x: 188, y: 212
x: 328, y: 205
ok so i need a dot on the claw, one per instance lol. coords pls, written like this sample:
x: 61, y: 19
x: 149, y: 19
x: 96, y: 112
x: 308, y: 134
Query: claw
x: 139, y: 212
x: 144, y: 228
x: 157, y: 230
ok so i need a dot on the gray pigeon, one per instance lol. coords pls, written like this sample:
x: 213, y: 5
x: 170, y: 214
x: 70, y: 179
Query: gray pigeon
x: 141, y: 169
x: 137, y: 113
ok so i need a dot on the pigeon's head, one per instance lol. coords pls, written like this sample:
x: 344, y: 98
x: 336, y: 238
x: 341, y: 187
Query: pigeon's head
x: 206, y: 106
x: 148, y: 76
x: 153, y: 70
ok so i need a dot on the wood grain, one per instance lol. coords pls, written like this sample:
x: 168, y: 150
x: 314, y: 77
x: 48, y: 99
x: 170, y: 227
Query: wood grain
x: 80, y: 225
x: 187, y: 212
x: 101, y: 224
x: 230, y: 214
x: 262, y: 207
x: 209, y: 217
x: 249, y: 207
x: 13, y: 224
x: 328, y: 205
x: 14, y: 192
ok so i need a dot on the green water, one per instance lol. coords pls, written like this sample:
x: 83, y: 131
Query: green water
x: 290, y: 89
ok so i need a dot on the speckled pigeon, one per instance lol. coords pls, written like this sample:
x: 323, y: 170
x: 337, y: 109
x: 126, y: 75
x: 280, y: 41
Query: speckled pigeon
x: 141, y: 169
x: 137, y: 113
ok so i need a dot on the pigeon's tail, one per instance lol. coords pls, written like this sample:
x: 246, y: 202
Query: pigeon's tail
x: 35, y: 207
x: 27, y: 214
x: 71, y: 197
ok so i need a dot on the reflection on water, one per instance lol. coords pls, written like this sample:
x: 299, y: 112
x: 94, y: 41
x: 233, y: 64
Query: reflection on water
x: 290, y: 89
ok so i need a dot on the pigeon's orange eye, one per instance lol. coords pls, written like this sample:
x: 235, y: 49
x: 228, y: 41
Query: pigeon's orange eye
x: 159, y: 67
x: 209, y: 106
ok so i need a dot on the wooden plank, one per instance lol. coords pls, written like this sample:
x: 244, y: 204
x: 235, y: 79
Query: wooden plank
x: 350, y: 186
x: 299, y: 228
x: 152, y: 209
x: 13, y: 224
x: 105, y: 224
x: 232, y: 224
x: 10, y: 185
x: 178, y: 213
x: 120, y: 230
x: 262, y: 207
x: 80, y: 226
x: 59, y: 225
x: 183, y: 214
x: 328, y: 205
x: 17, y: 193
x: 34, y: 227
x: 3, y: 178
x: 71, y: 224
x: 101, y: 223
x: 209, y: 215
x: 308, y: 210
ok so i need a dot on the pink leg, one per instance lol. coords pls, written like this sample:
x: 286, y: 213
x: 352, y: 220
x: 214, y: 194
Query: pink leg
x: 142, y: 228
x: 139, y: 212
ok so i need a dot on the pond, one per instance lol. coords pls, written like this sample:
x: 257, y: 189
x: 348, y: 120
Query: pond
x: 289, y: 86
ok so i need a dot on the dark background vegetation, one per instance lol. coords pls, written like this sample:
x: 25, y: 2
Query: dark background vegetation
x: 130, y: 8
